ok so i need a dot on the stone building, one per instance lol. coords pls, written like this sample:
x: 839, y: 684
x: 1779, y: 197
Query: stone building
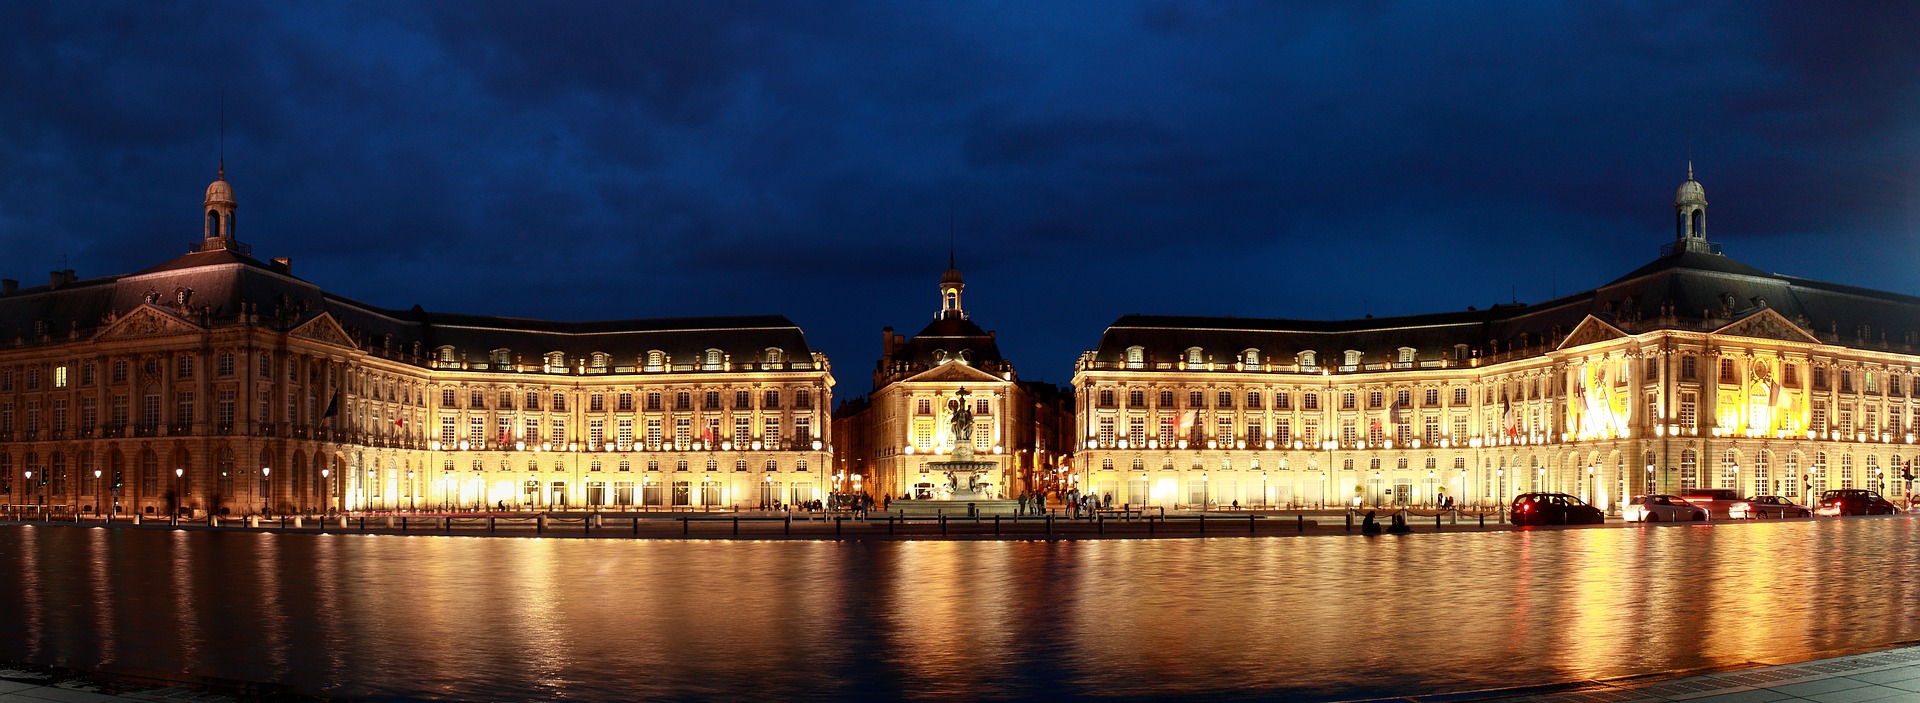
x: 218, y: 382
x: 905, y: 423
x: 1693, y: 371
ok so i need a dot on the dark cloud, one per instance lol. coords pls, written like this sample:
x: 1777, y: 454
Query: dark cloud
x: 606, y: 160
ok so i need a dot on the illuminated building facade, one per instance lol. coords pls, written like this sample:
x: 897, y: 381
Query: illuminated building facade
x: 1694, y: 371
x: 906, y: 423
x: 218, y: 382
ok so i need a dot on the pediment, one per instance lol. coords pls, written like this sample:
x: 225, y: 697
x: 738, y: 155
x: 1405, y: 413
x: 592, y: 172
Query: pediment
x: 1590, y: 331
x: 323, y: 328
x: 147, y: 321
x: 1767, y: 324
x: 952, y: 372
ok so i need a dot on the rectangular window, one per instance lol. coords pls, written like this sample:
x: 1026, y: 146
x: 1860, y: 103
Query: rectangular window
x: 623, y: 434
x: 771, y: 401
x: 1224, y: 431
x: 89, y: 412
x: 1136, y: 399
x: 1282, y: 400
x: 559, y: 434
x: 683, y: 401
x: 710, y: 400
x: 1166, y: 431
x: 1459, y: 396
x: 1846, y: 381
x: 803, y: 399
x: 983, y: 407
x: 530, y: 430
x: 446, y: 430
x: 1196, y: 399
x: 1689, y: 407
x: 653, y: 401
x: 1726, y: 371
x: 1819, y: 420
x: 1283, y: 430
x: 1166, y: 399
x: 1226, y: 399
x: 559, y: 402
x: 770, y: 432
x: 682, y: 432
x: 803, y: 430
x: 477, y: 430
x: 654, y: 436
x: 597, y: 403
x: 1310, y: 401
x: 1688, y: 367
x: 183, y: 366
x: 1347, y: 400
x: 225, y: 407
x: 183, y: 408
x: 59, y: 377
x: 624, y: 403
x: 226, y: 364
x: 1253, y: 400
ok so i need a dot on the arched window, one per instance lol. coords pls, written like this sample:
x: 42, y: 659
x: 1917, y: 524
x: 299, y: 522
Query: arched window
x: 1194, y: 356
x: 213, y: 224
x: 771, y: 356
x: 713, y: 465
x: 772, y: 465
x: 740, y: 465
x: 502, y: 358
x: 710, y: 361
x: 1251, y: 358
x: 1700, y: 223
x: 1308, y: 358
x: 1136, y: 357
x: 599, y: 361
x: 656, y: 360
x: 556, y: 362
x: 1689, y: 470
x: 1353, y: 357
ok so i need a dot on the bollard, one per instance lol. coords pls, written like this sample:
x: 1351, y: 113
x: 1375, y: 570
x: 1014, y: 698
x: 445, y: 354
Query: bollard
x: 1249, y: 524
x: 490, y: 524
x: 253, y: 521
x: 136, y: 518
x: 636, y: 524
x: 1203, y: 523
x: 1149, y: 524
x: 1049, y: 523
x: 736, y: 525
x: 449, y: 525
x: 683, y: 524
x: 1483, y: 520
x: 586, y: 526
x: 1349, y: 521
x: 943, y: 523
x: 403, y: 523
x: 789, y: 528
x: 889, y: 525
x: 540, y: 524
x: 1100, y: 524
x: 1436, y: 522
x: 996, y: 525
x: 213, y: 520
x: 596, y: 521
x: 1303, y: 521
x: 836, y: 525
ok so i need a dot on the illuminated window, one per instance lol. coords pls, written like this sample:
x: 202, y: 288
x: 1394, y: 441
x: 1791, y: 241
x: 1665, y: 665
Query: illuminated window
x: 1251, y: 358
x: 1308, y: 358
x: 711, y: 360
x: 1193, y: 356
x: 1136, y: 357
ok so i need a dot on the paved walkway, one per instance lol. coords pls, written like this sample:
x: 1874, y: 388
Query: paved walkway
x: 1885, y: 676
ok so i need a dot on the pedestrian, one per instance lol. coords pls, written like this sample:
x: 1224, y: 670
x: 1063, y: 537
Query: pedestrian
x: 1023, y: 504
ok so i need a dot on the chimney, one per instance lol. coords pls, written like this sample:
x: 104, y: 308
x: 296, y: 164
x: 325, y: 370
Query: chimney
x: 59, y: 278
x: 8, y: 285
x: 283, y: 265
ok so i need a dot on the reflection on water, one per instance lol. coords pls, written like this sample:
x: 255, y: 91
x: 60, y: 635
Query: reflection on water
x: 1315, y: 617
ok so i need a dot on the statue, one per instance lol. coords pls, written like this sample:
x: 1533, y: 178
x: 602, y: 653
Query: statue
x: 961, y: 421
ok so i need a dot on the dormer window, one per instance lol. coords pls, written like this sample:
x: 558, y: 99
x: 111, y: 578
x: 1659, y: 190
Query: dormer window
x: 502, y: 358
x: 771, y: 357
x: 599, y: 361
x: 1406, y: 355
x: 1194, y: 357
x: 656, y: 361
x: 710, y: 361
x: 1136, y: 357
x: 556, y: 362
x: 1250, y: 358
x: 444, y: 354
x: 1308, y: 358
x: 1353, y: 357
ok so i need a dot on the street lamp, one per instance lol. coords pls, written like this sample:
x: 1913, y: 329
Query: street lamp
x: 179, y: 490
x: 1203, y: 491
x: 410, y: 492
x: 98, y: 492
x: 266, y: 488
x: 30, y: 492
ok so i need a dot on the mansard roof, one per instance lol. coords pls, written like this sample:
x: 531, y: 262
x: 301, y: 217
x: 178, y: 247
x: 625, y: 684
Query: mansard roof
x: 215, y: 288
x: 1687, y: 290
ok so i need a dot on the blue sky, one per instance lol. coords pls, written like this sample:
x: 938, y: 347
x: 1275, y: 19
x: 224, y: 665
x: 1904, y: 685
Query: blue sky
x: 1267, y: 159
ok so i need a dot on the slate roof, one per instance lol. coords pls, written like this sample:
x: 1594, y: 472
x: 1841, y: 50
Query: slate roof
x: 1685, y: 289
x: 225, y: 282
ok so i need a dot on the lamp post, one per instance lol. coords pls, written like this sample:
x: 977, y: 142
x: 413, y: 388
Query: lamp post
x: 266, y: 488
x: 30, y: 492
x: 446, y: 487
x: 326, y: 495
x: 1203, y: 491
x: 1376, y: 489
x: 766, y: 492
x: 411, y: 507
x: 98, y: 492
x: 179, y: 490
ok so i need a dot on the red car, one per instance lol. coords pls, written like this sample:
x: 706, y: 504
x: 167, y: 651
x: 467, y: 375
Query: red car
x: 1853, y: 501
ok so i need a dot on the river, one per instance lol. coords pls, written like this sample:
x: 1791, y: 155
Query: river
x: 1297, y: 618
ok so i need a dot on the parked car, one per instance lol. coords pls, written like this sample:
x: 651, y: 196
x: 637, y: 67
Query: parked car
x: 1718, y: 502
x: 1767, y: 506
x: 1853, y: 501
x: 1553, y: 509
x: 1660, y: 507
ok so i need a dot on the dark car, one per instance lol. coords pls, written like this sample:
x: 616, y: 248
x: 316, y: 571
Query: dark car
x: 1553, y: 509
x: 1853, y: 501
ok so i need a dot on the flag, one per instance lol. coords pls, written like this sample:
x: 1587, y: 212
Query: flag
x: 1187, y: 419
x: 333, y: 405
x: 1508, y: 423
x: 400, y: 422
x: 1393, y: 414
x: 706, y: 434
x: 1373, y: 425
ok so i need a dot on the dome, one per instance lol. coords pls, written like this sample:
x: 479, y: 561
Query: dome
x: 1690, y: 192
x: 951, y: 276
x: 220, y: 191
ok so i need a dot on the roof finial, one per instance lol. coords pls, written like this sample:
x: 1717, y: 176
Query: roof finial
x: 950, y: 237
x: 1689, y: 169
x: 223, y: 134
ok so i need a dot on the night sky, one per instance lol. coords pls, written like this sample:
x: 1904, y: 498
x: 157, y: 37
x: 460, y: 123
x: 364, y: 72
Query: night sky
x: 650, y: 159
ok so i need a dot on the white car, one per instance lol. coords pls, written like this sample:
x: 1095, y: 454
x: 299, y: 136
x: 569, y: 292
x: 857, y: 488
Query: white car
x: 1662, y: 508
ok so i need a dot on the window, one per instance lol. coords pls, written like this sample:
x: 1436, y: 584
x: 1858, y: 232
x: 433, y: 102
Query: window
x: 1196, y: 399
x: 1307, y: 358
x: 683, y: 400
x: 225, y: 365
x: 183, y: 366
x: 1688, y: 371
x: 1194, y: 357
x: 771, y: 400
x: 597, y: 402
x: 656, y: 361
x: 1136, y: 399
x: 59, y: 377
x: 710, y: 400
x: 983, y: 407
x: 1253, y: 399
x: 1250, y: 358
x: 1282, y: 400
x: 1226, y: 399
x: 1310, y: 401
x: 1726, y: 371
x: 477, y: 400
x: 119, y: 374
x: 1353, y: 357
x: 1689, y: 470
x: 1347, y: 400
x: 710, y: 361
x: 1689, y: 407
x: 1846, y: 380
x: 803, y: 399
x: 1433, y: 397
x: 1136, y: 357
